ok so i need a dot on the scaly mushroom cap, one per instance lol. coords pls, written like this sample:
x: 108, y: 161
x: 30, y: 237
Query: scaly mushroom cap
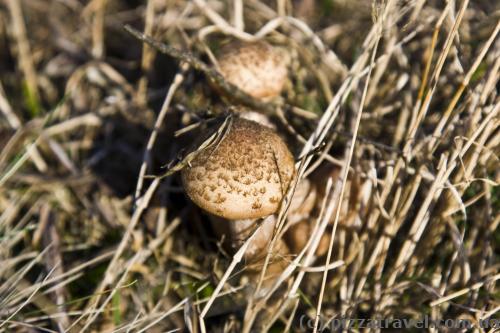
x: 242, y: 177
x: 256, y: 68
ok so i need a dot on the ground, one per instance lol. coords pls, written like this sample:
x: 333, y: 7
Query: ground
x: 391, y: 108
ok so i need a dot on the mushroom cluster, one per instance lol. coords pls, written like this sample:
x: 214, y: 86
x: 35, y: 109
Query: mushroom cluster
x: 240, y: 181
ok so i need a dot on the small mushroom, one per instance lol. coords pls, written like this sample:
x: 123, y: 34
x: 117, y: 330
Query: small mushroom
x: 257, y: 68
x: 303, y: 201
x: 240, y: 180
x: 299, y: 234
x: 301, y: 207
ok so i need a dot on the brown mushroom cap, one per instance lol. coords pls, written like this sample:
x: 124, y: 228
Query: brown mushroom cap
x: 299, y: 234
x: 303, y: 200
x: 242, y: 177
x: 257, y: 68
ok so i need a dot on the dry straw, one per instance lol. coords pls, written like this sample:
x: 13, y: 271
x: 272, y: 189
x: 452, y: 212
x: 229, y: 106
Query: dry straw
x: 391, y: 111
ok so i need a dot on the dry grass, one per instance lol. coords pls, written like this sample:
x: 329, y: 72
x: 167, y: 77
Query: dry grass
x: 400, y: 98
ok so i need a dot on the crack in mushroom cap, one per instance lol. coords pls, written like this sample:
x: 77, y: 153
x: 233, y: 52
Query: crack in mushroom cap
x: 257, y: 68
x: 245, y: 176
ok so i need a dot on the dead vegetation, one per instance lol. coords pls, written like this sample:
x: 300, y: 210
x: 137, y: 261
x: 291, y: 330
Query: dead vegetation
x: 392, y: 107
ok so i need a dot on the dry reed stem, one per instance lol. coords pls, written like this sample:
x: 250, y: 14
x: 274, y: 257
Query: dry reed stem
x: 345, y: 169
x: 179, y: 77
x: 148, y: 55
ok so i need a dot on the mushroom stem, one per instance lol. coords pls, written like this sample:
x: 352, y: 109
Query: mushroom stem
x: 238, y: 231
x: 277, y: 264
x: 256, y: 116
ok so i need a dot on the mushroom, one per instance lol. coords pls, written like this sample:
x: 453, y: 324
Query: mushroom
x: 308, y: 196
x: 299, y: 234
x: 301, y: 207
x: 240, y: 180
x: 257, y: 68
x: 303, y: 201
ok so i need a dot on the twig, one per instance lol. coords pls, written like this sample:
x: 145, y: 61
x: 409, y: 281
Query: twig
x: 179, y: 77
x: 5, y: 107
x: 239, y: 22
x: 99, y: 10
x: 464, y: 291
x: 147, y: 55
